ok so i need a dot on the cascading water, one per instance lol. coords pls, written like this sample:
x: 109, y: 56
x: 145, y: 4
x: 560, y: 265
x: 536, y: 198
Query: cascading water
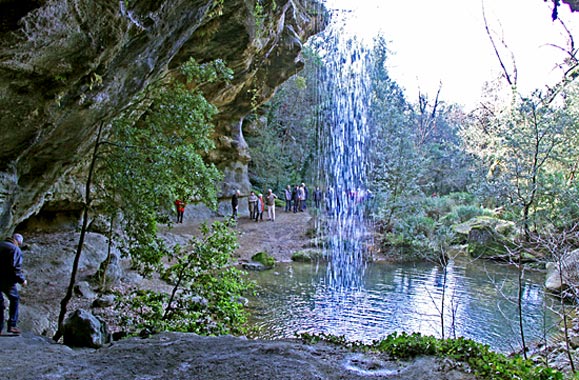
x: 343, y: 129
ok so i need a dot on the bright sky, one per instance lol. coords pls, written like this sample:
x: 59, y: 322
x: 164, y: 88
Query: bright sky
x: 435, y: 41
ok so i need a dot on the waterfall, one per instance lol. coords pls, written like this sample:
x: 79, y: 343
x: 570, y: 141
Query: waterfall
x: 343, y: 129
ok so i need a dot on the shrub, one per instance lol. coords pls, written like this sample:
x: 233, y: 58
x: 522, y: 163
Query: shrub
x: 264, y: 258
x: 206, y: 293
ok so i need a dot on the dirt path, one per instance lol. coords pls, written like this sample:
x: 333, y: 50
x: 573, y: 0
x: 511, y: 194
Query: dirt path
x: 280, y: 238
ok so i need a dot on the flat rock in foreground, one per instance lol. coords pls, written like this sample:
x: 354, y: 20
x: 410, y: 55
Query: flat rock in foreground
x: 177, y: 356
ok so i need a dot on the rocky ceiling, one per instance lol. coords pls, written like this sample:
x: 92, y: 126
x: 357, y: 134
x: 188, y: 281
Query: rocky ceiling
x: 66, y: 66
x: 573, y: 4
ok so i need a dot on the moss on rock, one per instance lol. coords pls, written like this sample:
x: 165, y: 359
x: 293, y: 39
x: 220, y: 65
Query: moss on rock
x: 488, y: 237
x: 264, y: 258
x: 307, y: 256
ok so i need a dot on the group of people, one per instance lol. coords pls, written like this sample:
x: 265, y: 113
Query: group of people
x: 296, y: 198
x: 257, y: 205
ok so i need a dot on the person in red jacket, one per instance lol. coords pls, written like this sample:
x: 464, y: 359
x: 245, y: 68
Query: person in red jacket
x: 180, y: 206
x: 10, y: 276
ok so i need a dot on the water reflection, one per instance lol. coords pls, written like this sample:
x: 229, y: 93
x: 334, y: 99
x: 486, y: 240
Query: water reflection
x: 480, y: 303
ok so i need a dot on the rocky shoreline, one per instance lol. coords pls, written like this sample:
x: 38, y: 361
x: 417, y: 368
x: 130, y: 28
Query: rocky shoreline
x: 176, y: 356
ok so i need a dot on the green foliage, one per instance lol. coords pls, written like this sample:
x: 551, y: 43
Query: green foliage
x: 206, y: 296
x: 264, y: 258
x: 483, y: 362
x: 283, y: 137
x: 529, y: 153
x: 151, y: 161
x: 466, y: 212
x: 416, y: 159
x: 259, y: 16
x: 424, y: 228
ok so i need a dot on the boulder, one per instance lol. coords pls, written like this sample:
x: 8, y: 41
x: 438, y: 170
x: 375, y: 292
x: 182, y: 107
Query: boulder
x: 112, y: 270
x: 83, y: 289
x: 104, y: 301
x: 265, y: 259
x: 558, y: 280
x: 82, y: 329
x: 488, y: 237
x: 307, y: 256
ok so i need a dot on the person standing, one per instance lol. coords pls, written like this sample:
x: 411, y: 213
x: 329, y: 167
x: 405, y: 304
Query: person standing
x: 252, y: 203
x: 288, y: 198
x: 296, y: 198
x: 270, y: 202
x: 10, y: 276
x: 235, y: 204
x: 260, y: 208
x: 180, y: 206
x: 301, y: 198
x: 317, y: 197
x: 306, y: 197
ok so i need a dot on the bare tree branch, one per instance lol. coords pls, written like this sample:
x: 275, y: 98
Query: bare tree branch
x: 510, y: 77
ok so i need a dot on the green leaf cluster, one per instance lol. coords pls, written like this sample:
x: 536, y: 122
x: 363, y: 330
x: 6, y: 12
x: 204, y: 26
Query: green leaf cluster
x: 283, y: 143
x: 206, y: 296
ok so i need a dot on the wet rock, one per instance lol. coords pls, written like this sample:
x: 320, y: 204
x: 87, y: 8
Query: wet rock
x: 171, y: 356
x: 487, y: 237
x: 254, y: 266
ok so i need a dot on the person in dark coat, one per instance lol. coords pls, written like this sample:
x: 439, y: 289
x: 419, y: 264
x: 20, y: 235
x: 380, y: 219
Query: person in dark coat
x: 295, y: 198
x: 10, y: 276
x: 317, y: 197
x: 235, y: 204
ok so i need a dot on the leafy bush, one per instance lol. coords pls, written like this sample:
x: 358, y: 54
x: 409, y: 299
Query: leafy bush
x: 461, y: 214
x: 206, y: 296
x: 462, y: 198
x: 264, y: 258
x: 485, y: 363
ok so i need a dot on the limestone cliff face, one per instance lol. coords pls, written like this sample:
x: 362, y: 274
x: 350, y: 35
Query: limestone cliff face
x: 68, y: 65
x: 573, y: 4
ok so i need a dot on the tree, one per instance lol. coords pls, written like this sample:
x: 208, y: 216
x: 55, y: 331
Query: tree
x: 150, y: 163
x: 394, y: 160
x: 147, y: 161
x: 284, y: 143
x: 523, y: 145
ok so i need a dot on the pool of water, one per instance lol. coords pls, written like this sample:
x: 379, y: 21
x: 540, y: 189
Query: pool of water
x: 479, y: 303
